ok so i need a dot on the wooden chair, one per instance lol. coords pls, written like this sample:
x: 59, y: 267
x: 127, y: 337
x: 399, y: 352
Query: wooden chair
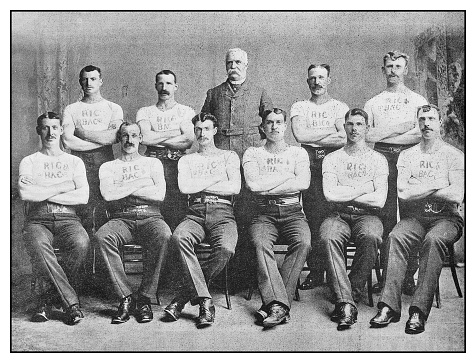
x: 452, y: 264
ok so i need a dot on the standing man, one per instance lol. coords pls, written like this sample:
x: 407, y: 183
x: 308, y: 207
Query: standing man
x: 394, y: 128
x: 318, y: 124
x: 52, y: 183
x: 133, y: 186
x: 210, y: 178
x: 90, y: 128
x: 430, y: 189
x: 167, y: 132
x: 354, y: 179
x: 277, y: 173
x: 238, y: 104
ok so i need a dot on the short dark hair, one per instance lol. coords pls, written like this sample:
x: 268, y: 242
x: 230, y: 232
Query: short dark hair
x: 322, y: 65
x: 427, y: 108
x: 203, y: 116
x: 49, y: 115
x: 89, y: 68
x: 166, y: 72
x: 357, y: 112
x: 277, y: 111
x: 125, y: 124
x: 394, y: 55
x: 266, y: 113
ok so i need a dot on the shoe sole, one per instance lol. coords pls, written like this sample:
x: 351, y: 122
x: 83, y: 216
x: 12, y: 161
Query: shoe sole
x: 271, y: 325
x: 75, y: 321
x: 374, y: 324
x: 147, y: 320
x: 260, y: 315
x: 413, y: 332
x: 119, y: 321
x: 39, y: 318
x: 169, y: 316
x: 204, y: 324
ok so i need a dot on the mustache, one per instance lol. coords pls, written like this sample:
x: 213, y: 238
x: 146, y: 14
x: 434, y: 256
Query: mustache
x: 427, y: 129
x: 164, y: 92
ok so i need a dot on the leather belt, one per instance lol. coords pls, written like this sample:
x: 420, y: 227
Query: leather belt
x: 239, y: 131
x: 352, y: 209
x: 164, y: 153
x: 146, y: 209
x: 318, y: 152
x: 209, y: 199
x: 391, y: 148
x: 277, y: 200
x: 48, y: 207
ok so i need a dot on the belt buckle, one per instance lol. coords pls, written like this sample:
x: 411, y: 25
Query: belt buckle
x: 55, y: 208
x: 394, y: 150
x: 272, y: 202
x: 320, y: 154
x: 429, y: 208
x: 210, y: 199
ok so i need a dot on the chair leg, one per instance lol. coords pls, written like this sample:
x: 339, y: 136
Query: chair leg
x: 297, y: 297
x: 437, y: 295
x: 250, y: 291
x: 369, y: 290
x: 227, y: 295
x: 453, y: 270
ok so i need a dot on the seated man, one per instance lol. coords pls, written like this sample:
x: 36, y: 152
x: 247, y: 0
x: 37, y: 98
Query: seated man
x: 276, y: 173
x: 133, y: 186
x: 355, y: 183
x: 53, y: 182
x: 430, y: 189
x: 210, y: 177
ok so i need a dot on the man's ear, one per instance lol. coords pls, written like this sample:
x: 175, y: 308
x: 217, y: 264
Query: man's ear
x: 38, y: 130
x: 215, y: 130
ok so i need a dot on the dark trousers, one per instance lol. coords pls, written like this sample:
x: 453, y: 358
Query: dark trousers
x: 41, y: 234
x: 316, y: 207
x: 216, y: 222
x: 93, y: 160
x: 290, y: 225
x: 366, y: 233
x: 151, y: 232
x: 428, y: 236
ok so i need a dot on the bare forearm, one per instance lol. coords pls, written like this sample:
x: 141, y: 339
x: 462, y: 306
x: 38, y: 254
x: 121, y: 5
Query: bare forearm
x: 312, y: 136
x: 342, y: 194
x: 152, y: 193
x: 77, y: 196
x: 227, y: 187
x: 197, y: 185
x: 75, y: 143
x: 107, y: 137
x: 291, y: 186
x: 451, y: 194
x: 181, y: 142
x: 264, y: 184
x: 157, y: 138
x: 37, y: 193
x: 375, y: 199
x: 334, y: 140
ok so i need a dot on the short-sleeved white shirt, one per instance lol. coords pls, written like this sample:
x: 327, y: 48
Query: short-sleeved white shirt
x: 427, y: 167
x: 46, y: 170
x: 167, y: 120
x: 320, y: 116
x: 275, y: 164
x: 93, y: 116
x: 207, y: 166
x: 355, y: 170
x: 391, y: 108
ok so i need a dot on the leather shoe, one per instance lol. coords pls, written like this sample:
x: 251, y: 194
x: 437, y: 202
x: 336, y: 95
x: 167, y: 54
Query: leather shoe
x: 278, y: 314
x: 73, y: 315
x: 384, y: 316
x: 42, y: 313
x: 206, y: 315
x: 144, y: 312
x: 261, y: 314
x: 415, y: 324
x: 173, y: 310
x: 347, y: 317
x: 125, y: 309
x: 335, y: 314
x: 313, y: 280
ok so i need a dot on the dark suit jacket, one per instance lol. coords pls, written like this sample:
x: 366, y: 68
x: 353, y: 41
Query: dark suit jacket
x: 238, y: 114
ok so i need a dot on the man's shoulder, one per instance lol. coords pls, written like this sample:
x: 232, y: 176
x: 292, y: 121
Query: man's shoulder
x: 377, y: 157
x: 375, y: 98
x: 112, y: 104
x: 218, y: 88
x: 450, y: 150
x: 410, y: 152
x: 31, y: 157
x: 337, y: 154
x: 184, y: 108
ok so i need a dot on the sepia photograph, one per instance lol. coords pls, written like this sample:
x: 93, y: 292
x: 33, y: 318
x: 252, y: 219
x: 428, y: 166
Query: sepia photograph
x: 237, y: 181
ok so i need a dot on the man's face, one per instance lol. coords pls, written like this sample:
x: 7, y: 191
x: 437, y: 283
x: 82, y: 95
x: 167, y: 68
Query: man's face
x: 318, y: 80
x: 429, y: 123
x: 204, y: 132
x: 274, y: 127
x: 90, y: 82
x: 395, y: 70
x: 355, y: 128
x: 130, y: 138
x: 236, y: 66
x: 166, y: 86
x: 50, y: 131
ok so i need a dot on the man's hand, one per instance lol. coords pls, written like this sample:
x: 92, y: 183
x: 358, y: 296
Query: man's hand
x: 440, y: 183
x: 79, y: 130
x: 369, y: 187
x: 414, y: 181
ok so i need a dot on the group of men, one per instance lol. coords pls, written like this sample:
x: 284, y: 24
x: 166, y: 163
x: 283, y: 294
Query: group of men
x: 236, y: 191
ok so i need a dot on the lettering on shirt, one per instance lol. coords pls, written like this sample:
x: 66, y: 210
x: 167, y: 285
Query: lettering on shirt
x: 316, y: 119
x: 55, y: 170
x: 276, y: 164
x: 208, y: 167
x: 428, y: 169
x: 91, y: 117
x: 165, y: 123
x: 394, y: 104
x: 131, y: 172
x: 356, y: 170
